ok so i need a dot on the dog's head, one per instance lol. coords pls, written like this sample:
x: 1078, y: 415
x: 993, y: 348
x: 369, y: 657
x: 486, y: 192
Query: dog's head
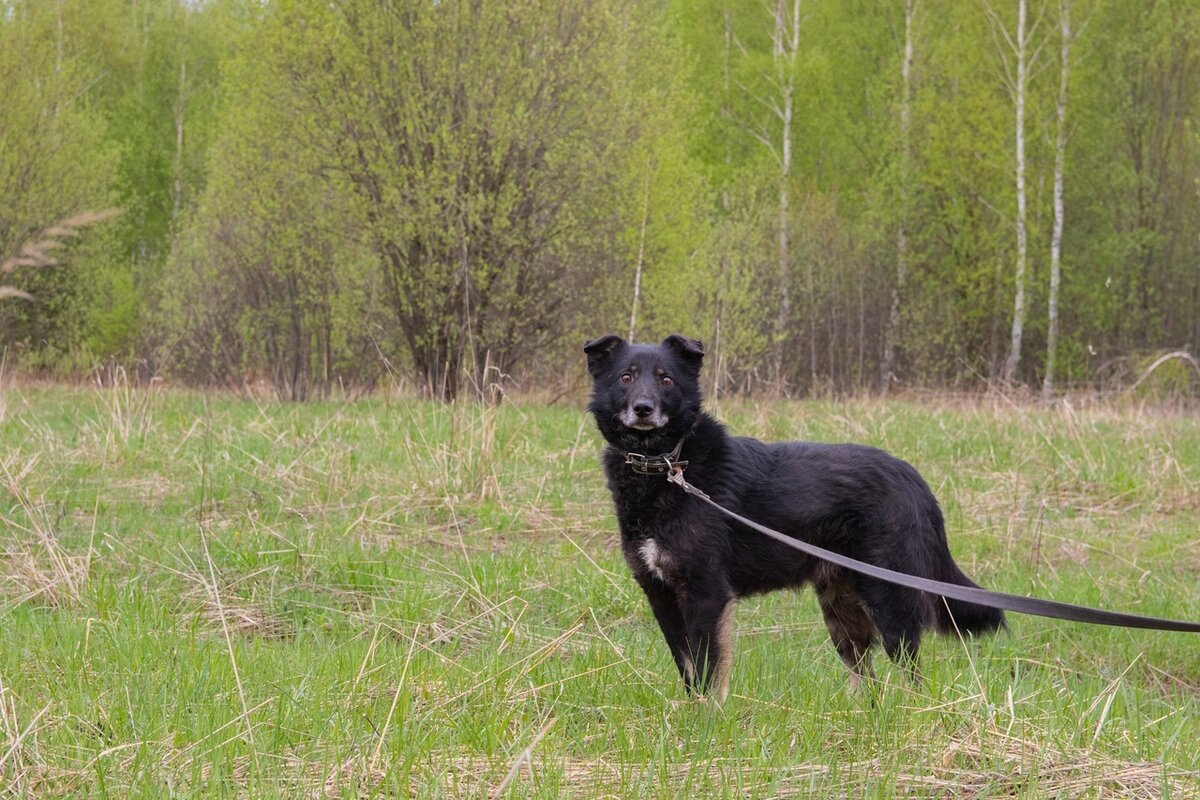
x: 645, y: 397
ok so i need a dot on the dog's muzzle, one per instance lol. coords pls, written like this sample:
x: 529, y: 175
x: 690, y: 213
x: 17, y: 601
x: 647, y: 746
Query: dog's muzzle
x: 648, y: 418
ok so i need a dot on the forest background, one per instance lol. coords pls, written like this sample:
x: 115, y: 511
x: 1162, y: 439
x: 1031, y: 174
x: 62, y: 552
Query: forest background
x: 835, y: 195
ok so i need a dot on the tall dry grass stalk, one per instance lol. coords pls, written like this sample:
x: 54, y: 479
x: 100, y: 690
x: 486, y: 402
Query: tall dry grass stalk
x: 37, y: 252
x: 3, y: 382
x: 129, y: 408
x: 17, y: 759
x: 463, y: 464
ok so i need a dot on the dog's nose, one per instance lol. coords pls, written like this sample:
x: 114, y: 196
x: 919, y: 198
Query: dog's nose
x: 643, y: 409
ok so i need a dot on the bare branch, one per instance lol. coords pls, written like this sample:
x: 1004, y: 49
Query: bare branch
x: 1009, y: 80
x: 760, y: 135
x: 998, y: 24
x: 770, y: 104
x: 1033, y: 28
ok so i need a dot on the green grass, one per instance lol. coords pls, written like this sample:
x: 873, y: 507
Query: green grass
x: 207, y: 596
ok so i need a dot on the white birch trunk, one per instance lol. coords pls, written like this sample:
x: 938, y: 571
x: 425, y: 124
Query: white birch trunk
x: 892, y: 333
x: 180, y: 117
x: 723, y: 278
x: 1060, y: 151
x: 1013, y: 362
x: 786, y: 46
x: 637, y: 275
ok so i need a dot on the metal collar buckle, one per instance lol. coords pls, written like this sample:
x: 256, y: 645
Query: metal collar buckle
x: 665, y: 464
x: 655, y: 465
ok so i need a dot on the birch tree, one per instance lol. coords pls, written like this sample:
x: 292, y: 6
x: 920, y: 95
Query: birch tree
x: 1060, y: 150
x: 1017, y: 81
x: 779, y: 100
x: 786, y: 46
x: 641, y: 256
x: 727, y: 156
x: 892, y: 331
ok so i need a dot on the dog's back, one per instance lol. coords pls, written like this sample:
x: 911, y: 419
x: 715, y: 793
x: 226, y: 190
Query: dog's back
x: 855, y: 500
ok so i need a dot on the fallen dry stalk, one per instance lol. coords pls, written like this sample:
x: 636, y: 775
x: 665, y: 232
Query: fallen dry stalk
x: 521, y: 759
x: 36, y: 252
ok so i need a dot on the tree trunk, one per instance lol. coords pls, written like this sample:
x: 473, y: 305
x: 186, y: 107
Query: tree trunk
x: 1060, y: 150
x: 723, y: 278
x: 786, y: 45
x: 892, y: 333
x: 1013, y: 362
x: 180, y: 116
x: 641, y: 254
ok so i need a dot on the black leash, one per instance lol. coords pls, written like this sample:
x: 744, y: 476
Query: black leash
x: 970, y: 594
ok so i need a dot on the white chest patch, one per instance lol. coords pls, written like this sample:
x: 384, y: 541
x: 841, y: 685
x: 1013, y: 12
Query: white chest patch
x: 653, y: 558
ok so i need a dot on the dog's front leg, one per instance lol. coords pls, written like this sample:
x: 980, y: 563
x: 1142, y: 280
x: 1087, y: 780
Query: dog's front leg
x: 665, y: 606
x: 708, y: 616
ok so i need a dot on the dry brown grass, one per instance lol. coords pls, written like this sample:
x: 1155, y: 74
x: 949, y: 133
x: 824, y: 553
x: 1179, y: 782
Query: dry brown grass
x: 983, y: 762
x: 128, y: 409
x: 20, y: 760
x: 988, y: 759
x: 221, y: 609
x: 36, y: 566
x: 25, y: 774
x: 353, y: 776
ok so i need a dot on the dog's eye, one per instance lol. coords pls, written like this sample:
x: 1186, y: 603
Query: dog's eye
x: 666, y: 380
x: 626, y: 378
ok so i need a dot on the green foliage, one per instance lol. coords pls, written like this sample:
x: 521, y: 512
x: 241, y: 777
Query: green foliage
x: 263, y: 283
x: 135, y: 87
x: 54, y: 163
x: 471, y: 140
x: 459, y: 192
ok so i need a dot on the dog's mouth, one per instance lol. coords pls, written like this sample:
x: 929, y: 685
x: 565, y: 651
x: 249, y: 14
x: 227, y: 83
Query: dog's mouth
x: 652, y: 422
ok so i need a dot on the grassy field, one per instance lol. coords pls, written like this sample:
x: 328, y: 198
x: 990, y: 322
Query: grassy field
x: 212, y: 596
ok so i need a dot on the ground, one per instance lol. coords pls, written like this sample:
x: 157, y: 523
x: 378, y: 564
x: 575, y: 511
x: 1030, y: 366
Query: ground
x: 217, y: 596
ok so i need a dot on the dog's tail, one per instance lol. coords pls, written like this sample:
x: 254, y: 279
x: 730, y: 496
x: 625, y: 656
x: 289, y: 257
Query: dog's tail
x: 958, y: 616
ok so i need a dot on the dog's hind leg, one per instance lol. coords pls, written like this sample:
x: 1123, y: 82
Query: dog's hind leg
x: 850, y: 628
x: 902, y: 649
x: 899, y: 615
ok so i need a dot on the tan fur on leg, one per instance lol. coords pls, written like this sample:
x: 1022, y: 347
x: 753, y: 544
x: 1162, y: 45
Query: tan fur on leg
x: 850, y: 628
x: 725, y: 644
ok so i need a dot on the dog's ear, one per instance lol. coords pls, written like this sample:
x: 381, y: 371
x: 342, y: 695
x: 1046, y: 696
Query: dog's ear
x: 599, y: 350
x: 690, y: 350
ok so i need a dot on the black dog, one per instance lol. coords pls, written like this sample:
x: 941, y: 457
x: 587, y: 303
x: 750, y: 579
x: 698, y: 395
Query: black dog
x: 693, y: 565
